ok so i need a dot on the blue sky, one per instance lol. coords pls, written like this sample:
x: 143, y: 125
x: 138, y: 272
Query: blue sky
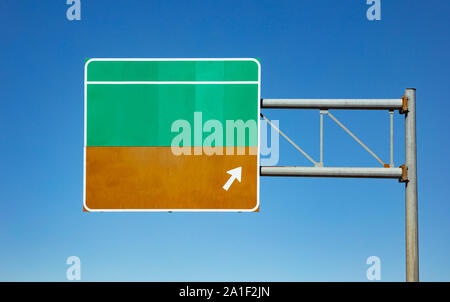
x: 308, y: 229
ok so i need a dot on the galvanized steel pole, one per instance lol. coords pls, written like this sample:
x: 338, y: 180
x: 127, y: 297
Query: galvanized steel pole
x: 412, y: 242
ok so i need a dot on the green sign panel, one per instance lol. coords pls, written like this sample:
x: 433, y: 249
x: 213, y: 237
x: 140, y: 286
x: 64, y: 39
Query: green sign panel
x: 171, y: 135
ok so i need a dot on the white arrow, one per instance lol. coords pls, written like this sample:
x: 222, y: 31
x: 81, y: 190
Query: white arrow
x: 235, y: 174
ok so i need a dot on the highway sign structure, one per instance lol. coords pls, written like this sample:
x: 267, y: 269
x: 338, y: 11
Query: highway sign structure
x: 183, y: 135
x: 171, y: 135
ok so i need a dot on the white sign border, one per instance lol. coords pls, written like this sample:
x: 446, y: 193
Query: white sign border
x: 170, y: 210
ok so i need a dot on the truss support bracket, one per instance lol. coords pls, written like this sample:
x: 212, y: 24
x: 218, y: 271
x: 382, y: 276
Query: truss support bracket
x: 404, y: 108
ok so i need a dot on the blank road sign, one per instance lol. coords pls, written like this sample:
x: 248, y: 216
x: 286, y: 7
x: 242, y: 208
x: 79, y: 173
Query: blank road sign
x: 171, y: 135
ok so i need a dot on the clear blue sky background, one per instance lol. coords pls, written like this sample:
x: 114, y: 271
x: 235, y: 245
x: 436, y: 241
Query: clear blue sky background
x: 308, y: 229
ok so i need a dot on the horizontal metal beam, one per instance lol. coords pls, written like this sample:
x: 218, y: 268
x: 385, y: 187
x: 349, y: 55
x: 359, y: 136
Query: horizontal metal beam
x: 379, y: 104
x: 395, y: 173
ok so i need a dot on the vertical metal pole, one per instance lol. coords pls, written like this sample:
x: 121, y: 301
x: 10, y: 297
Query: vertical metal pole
x: 412, y: 243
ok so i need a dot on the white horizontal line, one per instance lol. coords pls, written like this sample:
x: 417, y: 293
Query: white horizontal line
x: 170, y: 82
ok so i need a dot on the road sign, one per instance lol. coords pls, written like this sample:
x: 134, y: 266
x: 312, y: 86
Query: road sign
x: 171, y: 135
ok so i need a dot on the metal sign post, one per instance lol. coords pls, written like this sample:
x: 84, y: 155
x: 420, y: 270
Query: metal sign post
x: 412, y: 241
x: 406, y: 173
